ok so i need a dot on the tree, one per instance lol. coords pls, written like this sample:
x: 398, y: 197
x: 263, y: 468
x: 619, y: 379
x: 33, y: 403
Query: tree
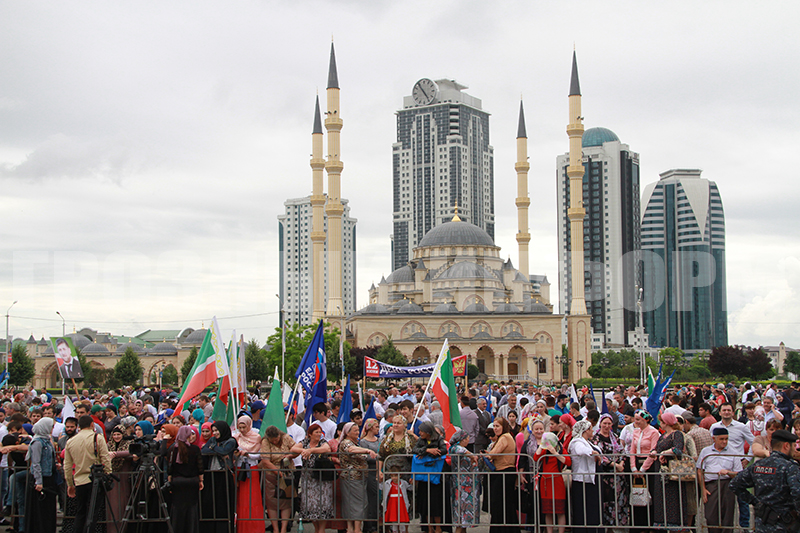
x: 759, y: 363
x: 186, y: 368
x: 727, y: 360
x: 297, y: 339
x: 472, y: 371
x: 359, y: 354
x: 169, y: 375
x: 21, y: 369
x: 389, y: 354
x: 257, y: 364
x: 128, y: 369
x: 791, y: 365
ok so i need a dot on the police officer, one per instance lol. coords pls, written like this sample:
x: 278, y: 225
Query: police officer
x: 777, y: 487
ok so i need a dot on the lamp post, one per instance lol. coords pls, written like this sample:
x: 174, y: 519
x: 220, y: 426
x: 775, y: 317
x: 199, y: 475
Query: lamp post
x: 563, y: 360
x: 63, y: 324
x: 580, y: 370
x: 283, y: 340
x: 8, y: 340
x: 536, y: 362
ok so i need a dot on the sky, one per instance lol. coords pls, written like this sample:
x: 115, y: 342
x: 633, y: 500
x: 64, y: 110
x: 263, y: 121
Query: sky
x: 146, y: 148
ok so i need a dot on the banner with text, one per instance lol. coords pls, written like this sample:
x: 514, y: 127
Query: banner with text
x: 377, y: 369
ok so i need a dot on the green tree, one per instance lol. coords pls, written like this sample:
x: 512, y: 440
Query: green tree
x: 257, y: 363
x: 672, y: 358
x: 388, y: 353
x: 169, y: 375
x: 298, y: 339
x: 186, y: 368
x: 93, y: 376
x: 472, y: 371
x: 791, y: 365
x: 128, y: 369
x: 759, y: 364
x: 21, y: 369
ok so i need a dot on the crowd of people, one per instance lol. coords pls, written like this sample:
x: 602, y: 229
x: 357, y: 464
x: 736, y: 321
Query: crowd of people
x: 523, y: 454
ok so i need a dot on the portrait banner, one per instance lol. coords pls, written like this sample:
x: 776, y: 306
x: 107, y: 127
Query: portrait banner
x: 66, y: 357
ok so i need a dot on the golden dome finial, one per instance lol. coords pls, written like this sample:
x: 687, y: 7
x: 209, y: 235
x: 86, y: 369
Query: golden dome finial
x: 456, y: 218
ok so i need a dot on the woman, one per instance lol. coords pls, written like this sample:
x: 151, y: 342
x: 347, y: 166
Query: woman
x: 430, y: 494
x: 178, y: 420
x: 185, y: 473
x: 553, y: 493
x: 122, y: 467
x: 205, y: 434
x: 762, y: 447
x: 353, y: 477
x: 465, y: 483
x: 399, y: 442
x: 218, y: 495
x: 614, y: 489
x: 643, y: 441
x: 503, y: 500
x: 40, y: 508
x: 370, y: 441
x: 316, y: 495
x: 250, y: 505
x: 564, y: 423
x: 514, y: 427
x: 756, y: 424
x: 527, y: 442
x: 276, y: 455
x: 197, y: 418
x: 669, y: 500
x: 585, y: 500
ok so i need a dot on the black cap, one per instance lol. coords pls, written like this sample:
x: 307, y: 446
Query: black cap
x: 719, y: 431
x: 783, y: 436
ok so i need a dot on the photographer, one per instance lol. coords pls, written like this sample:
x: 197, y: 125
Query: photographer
x: 79, y: 457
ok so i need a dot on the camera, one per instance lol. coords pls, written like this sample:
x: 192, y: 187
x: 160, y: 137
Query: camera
x: 98, y: 473
x: 141, y: 446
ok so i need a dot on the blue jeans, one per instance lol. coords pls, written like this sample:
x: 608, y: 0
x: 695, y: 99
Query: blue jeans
x: 19, y: 483
x: 744, y: 513
x: 4, y: 488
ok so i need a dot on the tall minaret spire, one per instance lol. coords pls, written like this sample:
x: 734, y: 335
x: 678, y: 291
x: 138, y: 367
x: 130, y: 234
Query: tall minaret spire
x: 576, y: 212
x: 317, y: 215
x: 334, y: 208
x: 522, y: 166
x: 578, y: 322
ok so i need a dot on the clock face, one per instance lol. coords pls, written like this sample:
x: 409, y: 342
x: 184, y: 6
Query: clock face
x: 425, y: 91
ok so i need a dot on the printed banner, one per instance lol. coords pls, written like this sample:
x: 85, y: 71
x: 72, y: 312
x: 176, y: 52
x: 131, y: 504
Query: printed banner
x: 66, y: 358
x: 377, y: 369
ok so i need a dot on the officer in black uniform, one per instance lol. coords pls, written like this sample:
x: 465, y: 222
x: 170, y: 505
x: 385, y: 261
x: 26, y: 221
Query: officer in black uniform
x: 777, y: 487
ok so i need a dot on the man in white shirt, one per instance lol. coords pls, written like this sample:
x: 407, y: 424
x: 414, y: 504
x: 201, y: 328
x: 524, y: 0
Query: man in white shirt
x: 770, y: 413
x: 320, y: 414
x: 715, y: 469
x: 297, y: 433
x: 738, y: 434
x: 675, y: 407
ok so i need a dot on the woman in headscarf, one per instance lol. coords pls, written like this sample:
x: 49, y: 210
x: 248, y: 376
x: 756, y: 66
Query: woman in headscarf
x: 197, y: 418
x: 250, y: 505
x: 205, y: 434
x: 276, y: 462
x: 219, y: 488
x: 396, y: 441
x: 370, y: 441
x: 643, y: 441
x: 40, y: 508
x: 585, y: 496
x: 465, y: 483
x: 504, y: 500
x: 565, y: 425
x: 551, y: 461
x: 614, y: 489
x: 122, y: 466
x: 430, y: 495
x: 353, y: 477
x: 669, y: 499
x: 186, y: 476
x: 316, y: 495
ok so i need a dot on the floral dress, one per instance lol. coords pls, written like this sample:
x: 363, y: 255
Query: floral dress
x: 316, y: 499
x: 465, y: 488
x: 669, y: 501
x: 614, y: 489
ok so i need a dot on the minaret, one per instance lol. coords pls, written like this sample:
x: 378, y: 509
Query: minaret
x: 522, y: 166
x: 334, y: 209
x: 317, y: 222
x: 578, y: 322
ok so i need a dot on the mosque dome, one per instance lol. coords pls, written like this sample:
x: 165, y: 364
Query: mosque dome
x: 374, y: 309
x: 467, y: 270
x: 506, y: 308
x: 598, y: 136
x: 122, y: 348
x: 476, y: 308
x: 196, y: 337
x: 95, y: 349
x: 456, y: 234
x: 537, y: 308
x: 410, y: 308
x: 445, y: 309
x: 164, y: 348
x: 79, y: 341
x: 401, y: 275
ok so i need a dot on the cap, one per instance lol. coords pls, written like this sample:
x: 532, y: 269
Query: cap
x: 147, y: 389
x: 783, y: 436
x: 257, y: 405
x: 720, y: 431
x: 689, y: 417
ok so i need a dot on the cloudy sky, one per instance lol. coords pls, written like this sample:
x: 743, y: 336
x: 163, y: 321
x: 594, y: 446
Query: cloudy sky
x: 146, y: 148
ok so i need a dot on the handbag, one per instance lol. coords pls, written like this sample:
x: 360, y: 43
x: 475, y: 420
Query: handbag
x: 286, y: 488
x: 640, y: 495
x: 682, y: 469
x: 424, y: 469
x: 324, y: 470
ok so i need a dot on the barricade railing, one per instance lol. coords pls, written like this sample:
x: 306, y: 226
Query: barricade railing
x: 723, y: 510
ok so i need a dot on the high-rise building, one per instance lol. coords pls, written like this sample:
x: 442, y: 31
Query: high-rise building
x: 683, y: 262
x: 296, y: 260
x: 611, y: 233
x: 442, y: 159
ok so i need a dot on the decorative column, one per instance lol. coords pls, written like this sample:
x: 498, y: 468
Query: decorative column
x: 522, y: 166
x: 317, y: 219
x: 334, y: 208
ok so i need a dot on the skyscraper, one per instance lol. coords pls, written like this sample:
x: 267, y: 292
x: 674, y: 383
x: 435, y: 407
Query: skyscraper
x: 611, y: 230
x: 442, y: 159
x: 683, y: 262
x: 296, y: 260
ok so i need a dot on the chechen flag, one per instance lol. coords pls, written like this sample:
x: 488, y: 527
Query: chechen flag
x: 211, y: 365
x: 443, y: 385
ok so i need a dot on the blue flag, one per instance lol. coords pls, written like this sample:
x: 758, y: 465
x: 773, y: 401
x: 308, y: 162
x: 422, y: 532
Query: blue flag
x: 313, y: 373
x: 3, y: 378
x: 370, y: 411
x: 605, y: 404
x: 347, y: 404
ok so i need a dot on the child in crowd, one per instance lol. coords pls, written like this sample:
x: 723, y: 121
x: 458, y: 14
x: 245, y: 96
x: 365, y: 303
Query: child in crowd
x: 395, y: 501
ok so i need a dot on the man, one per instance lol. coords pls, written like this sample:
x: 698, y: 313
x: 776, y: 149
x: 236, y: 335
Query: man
x: 484, y: 421
x: 770, y: 413
x: 715, y: 469
x: 70, y: 366
x: 70, y: 430
x: 771, y: 391
x: 407, y: 411
x: 80, y: 456
x: 561, y: 404
x: 395, y: 396
x: 58, y: 427
x: 297, y: 433
x: 320, y: 414
x: 675, y: 405
x: 738, y: 435
x: 776, y: 482
x: 469, y: 422
x: 701, y: 436
x: 82, y: 409
x: 204, y: 403
x: 510, y: 405
x: 256, y: 408
x: 436, y: 415
x: 35, y: 415
x: 706, y: 418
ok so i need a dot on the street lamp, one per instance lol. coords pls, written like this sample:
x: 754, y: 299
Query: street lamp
x: 536, y: 362
x: 580, y: 369
x: 563, y: 360
x: 283, y: 340
x: 63, y: 324
x: 8, y: 340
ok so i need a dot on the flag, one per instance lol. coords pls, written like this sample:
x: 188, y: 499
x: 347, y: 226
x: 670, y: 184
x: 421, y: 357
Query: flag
x: 651, y: 382
x: 347, y: 404
x: 443, y: 385
x: 370, y: 411
x: 313, y: 374
x: 233, y: 361
x: 573, y: 395
x: 210, y: 366
x: 286, y: 393
x: 360, y: 399
x: 296, y: 402
x: 242, y: 377
x: 3, y: 378
x: 605, y: 404
x: 69, y: 410
x: 273, y: 412
x: 591, y: 392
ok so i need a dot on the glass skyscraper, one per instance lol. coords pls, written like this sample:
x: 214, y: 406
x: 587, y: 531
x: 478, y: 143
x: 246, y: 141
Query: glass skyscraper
x: 683, y: 262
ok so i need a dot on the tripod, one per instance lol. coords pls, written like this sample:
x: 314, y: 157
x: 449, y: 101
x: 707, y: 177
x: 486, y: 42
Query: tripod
x: 97, y: 488
x: 146, y: 483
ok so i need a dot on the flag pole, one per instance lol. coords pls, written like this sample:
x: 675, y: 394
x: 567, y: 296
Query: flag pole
x: 292, y: 400
x: 442, y: 354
